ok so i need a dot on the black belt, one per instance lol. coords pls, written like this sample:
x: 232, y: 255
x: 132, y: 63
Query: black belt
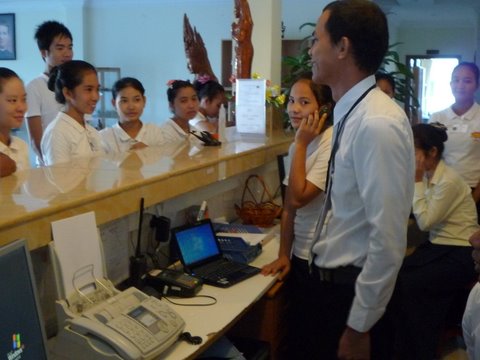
x: 341, y: 275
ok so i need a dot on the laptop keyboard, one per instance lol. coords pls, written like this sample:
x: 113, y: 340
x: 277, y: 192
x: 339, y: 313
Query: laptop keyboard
x: 226, y: 270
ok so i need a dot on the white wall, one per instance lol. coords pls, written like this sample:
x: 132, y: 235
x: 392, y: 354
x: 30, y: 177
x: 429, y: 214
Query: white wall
x: 145, y: 37
x: 146, y: 41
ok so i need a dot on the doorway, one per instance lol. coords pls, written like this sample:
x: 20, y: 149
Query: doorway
x: 432, y: 75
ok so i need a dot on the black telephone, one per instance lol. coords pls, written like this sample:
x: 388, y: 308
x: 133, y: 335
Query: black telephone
x: 173, y: 283
x: 206, y: 138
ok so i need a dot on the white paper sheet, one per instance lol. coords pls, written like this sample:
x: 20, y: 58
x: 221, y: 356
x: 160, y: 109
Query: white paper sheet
x: 77, y: 245
x: 250, y: 106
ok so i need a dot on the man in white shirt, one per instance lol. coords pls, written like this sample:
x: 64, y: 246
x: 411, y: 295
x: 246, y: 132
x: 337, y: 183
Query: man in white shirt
x: 54, y: 41
x: 362, y: 241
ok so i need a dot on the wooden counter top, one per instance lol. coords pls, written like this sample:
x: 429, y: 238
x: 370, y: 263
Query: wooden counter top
x: 110, y: 185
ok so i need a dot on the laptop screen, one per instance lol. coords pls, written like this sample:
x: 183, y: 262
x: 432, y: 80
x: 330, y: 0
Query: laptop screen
x: 21, y: 328
x: 196, y: 242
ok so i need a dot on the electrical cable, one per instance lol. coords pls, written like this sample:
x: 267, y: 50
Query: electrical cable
x: 198, y: 296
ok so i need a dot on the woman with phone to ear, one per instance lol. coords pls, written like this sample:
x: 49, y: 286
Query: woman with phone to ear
x: 308, y: 157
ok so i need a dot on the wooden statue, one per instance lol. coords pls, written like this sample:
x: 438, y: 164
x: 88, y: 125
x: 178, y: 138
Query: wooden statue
x: 242, y: 35
x: 196, y: 53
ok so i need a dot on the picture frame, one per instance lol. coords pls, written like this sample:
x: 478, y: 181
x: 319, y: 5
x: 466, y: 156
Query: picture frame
x: 7, y: 37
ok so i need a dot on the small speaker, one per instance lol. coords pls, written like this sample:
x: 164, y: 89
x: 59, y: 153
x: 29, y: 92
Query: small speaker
x: 161, y: 224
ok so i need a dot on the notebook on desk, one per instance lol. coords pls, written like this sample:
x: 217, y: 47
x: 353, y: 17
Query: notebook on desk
x: 201, y: 256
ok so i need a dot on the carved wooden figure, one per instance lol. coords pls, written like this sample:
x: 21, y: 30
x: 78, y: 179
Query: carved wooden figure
x: 242, y: 35
x: 195, y: 51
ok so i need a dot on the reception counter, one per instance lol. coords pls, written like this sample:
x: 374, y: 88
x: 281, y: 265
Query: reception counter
x: 111, y: 185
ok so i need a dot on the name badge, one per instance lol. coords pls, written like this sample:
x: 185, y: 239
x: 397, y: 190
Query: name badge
x: 475, y: 136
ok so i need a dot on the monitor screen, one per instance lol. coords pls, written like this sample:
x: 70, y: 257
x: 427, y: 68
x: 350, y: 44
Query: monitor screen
x: 22, y: 335
x: 196, y: 242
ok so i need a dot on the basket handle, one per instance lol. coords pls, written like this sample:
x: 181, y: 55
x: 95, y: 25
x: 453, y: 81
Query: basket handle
x: 247, y: 188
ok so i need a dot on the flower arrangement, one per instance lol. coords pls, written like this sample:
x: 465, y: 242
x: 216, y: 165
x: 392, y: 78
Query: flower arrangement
x: 273, y: 94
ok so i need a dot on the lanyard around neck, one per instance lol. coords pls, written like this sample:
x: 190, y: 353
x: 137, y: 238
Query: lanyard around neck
x: 341, y: 124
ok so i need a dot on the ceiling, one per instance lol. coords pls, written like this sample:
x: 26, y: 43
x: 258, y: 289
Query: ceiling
x: 417, y: 5
x: 439, y: 12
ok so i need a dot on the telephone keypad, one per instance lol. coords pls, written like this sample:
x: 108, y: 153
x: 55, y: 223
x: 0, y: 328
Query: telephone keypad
x: 135, y: 332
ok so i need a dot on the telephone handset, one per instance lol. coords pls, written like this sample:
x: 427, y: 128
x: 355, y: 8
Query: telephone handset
x: 130, y: 325
x: 97, y: 334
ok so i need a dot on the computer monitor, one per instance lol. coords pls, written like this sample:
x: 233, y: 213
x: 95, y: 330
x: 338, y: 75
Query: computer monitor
x: 22, y: 334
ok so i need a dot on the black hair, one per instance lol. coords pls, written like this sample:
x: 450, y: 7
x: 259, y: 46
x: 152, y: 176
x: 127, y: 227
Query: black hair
x: 365, y: 25
x: 428, y: 136
x: 208, y: 90
x: 322, y: 93
x: 127, y: 82
x: 175, y: 86
x: 380, y: 75
x: 68, y: 75
x: 6, y: 74
x: 472, y: 66
x: 49, y: 30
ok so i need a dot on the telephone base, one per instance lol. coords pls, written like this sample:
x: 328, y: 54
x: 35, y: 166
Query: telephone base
x: 76, y: 304
x: 131, y: 325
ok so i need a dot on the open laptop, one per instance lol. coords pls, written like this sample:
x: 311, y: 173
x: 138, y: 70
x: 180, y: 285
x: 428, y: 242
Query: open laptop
x: 201, y: 256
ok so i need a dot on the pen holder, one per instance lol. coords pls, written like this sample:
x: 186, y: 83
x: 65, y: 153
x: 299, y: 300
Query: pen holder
x: 260, y: 212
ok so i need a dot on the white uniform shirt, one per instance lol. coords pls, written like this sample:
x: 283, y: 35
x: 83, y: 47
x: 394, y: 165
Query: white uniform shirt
x: 41, y: 101
x: 65, y: 139
x: 371, y: 196
x: 17, y: 151
x: 198, y: 118
x: 318, y: 153
x: 115, y: 139
x: 471, y: 323
x: 462, y: 149
x: 445, y: 207
x: 174, y: 134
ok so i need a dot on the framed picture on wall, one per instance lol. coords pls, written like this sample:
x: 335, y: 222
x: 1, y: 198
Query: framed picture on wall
x: 7, y: 37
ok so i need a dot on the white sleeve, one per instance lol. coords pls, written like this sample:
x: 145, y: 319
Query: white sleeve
x: 55, y: 147
x: 384, y: 171
x: 33, y: 100
x: 470, y: 325
x: 438, y: 208
x: 317, y: 172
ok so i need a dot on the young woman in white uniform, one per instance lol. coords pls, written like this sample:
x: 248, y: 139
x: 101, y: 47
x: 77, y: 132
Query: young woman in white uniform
x: 130, y: 132
x: 13, y: 105
x: 184, y: 104
x: 307, y: 171
x: 69, y: 136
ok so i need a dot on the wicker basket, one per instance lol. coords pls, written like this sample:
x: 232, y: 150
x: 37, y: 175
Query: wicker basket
x: 253, y: 212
